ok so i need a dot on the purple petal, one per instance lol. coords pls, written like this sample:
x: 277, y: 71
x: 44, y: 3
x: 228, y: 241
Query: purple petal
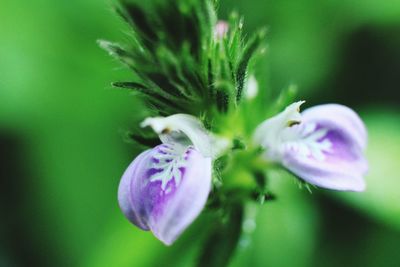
x: 343, y: 117
x: 334, y: 158
x: 124, y: 191
x: 165, y: 189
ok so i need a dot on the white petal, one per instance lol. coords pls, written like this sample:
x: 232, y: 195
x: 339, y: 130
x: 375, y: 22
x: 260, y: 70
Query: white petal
x: 268, y: 133
x: 186, y: 130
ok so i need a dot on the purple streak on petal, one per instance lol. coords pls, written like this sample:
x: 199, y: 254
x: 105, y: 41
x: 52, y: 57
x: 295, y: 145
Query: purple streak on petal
x: 168, y: 211
x: 340, y: 116
x: 344, y: 164
x: 124, y: 191
x: 340, y: 146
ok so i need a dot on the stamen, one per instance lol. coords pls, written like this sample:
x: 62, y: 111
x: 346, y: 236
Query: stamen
x: 292, y: 123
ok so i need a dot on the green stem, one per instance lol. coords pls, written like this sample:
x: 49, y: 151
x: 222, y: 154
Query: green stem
x: 223, y: 238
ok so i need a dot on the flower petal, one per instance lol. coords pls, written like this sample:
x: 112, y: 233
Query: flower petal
x: 268, y: 132
x: 343, y: 164
x: 339, y: 116
x: 186, y: 130
x: 165, y: 189
x: 325, y: 149
x: 124, y: 190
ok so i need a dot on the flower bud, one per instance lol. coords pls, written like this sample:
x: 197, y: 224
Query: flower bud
x: 221, y: 29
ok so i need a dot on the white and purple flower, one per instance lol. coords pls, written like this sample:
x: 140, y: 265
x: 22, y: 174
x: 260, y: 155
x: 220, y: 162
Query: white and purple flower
x: 324, y: 145
x: 165, y: 188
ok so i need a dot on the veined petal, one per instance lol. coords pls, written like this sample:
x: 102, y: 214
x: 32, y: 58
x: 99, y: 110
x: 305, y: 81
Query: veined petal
x: 124, y: 190
x: 341, y: 117
x: 164, y: 190
x: 186, y: 130
x: 325, y: 149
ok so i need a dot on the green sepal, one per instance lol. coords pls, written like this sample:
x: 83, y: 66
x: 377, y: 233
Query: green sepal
x: 250, y: 49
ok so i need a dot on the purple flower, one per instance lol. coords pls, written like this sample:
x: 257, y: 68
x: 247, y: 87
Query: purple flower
x: 323, y: 145
x: 165, y: 188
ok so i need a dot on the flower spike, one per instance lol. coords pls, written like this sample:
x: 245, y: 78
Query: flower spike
x: 324, y: 145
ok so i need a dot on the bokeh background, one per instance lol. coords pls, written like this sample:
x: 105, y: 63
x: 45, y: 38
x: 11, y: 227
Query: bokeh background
x: 62, y: 149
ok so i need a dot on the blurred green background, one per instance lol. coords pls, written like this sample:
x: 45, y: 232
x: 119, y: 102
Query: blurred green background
x: 62, y: 150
